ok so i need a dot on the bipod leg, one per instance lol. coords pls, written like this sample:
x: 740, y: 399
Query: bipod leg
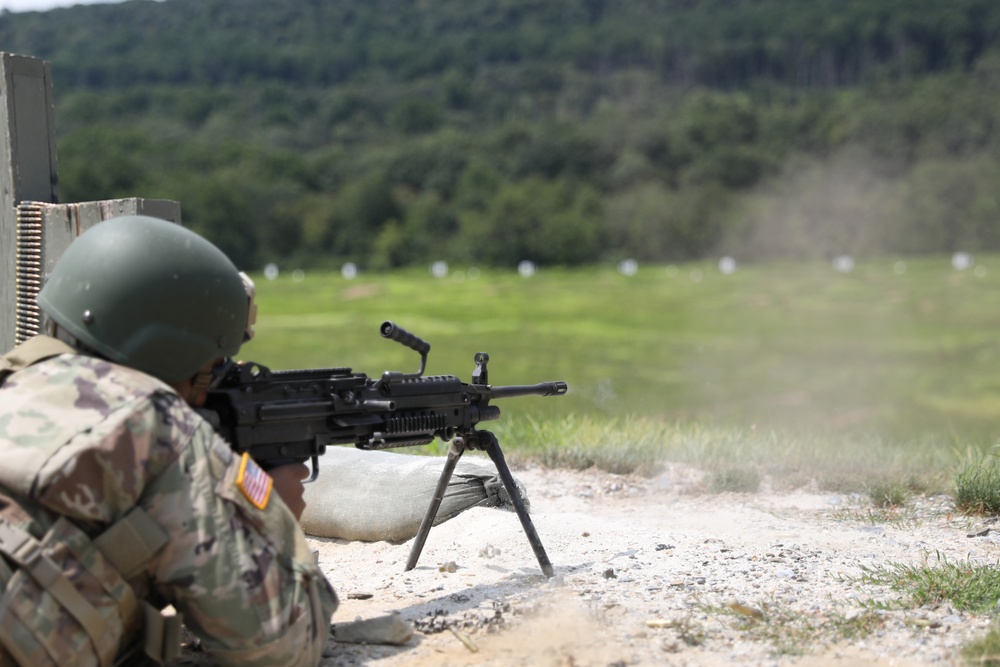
x: 493, y: 449
x: 454, y: 454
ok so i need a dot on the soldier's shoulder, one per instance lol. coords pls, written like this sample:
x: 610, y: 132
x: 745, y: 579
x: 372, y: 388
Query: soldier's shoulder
x: 112, y: 376
x: 71, y: 369
x: 89, y: 382
x: 83, y: 417
x: 84, y: 399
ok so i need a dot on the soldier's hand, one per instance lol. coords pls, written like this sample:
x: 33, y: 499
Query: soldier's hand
x: 288, y: 484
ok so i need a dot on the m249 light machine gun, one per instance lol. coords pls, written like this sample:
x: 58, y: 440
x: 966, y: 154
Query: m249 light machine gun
x: 282, y: 417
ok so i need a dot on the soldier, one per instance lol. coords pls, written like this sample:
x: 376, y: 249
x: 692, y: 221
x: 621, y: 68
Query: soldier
x: 117, y: 500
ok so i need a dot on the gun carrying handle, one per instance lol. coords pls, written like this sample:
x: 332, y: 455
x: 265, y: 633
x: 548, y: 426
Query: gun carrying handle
x: 400, y: 335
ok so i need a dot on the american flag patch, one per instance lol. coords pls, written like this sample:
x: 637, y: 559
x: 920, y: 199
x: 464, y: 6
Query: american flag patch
x: 254, y: 482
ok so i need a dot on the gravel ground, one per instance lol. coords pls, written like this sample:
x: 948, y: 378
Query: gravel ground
x: 652, y: 571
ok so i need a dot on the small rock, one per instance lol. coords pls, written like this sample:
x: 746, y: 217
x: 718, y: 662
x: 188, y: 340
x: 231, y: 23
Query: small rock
x: 389, y: 629
x: 360, y: 596
x: 489, y: 551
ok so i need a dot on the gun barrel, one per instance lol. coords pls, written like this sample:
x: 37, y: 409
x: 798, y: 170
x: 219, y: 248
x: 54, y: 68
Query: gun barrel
x: 557, y: 388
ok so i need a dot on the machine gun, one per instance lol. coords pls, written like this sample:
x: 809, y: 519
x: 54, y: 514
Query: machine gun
x: 282, y: 417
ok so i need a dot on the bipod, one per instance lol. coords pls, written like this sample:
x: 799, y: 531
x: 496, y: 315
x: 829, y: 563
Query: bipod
x: 485, y: 441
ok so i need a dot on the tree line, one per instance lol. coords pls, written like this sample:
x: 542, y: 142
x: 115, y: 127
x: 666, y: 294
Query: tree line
x: 394, y: 132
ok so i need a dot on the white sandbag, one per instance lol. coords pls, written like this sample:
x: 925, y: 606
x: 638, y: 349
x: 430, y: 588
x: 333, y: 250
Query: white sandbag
x: 382, y: 495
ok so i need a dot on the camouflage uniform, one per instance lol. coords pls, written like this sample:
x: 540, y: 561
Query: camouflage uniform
x: 87, y: 440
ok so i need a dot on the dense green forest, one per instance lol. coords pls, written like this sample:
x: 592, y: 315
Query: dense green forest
x: 394, y: 132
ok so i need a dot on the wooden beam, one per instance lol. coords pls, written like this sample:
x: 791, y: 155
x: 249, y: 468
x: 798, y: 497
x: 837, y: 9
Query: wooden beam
x: 28, y: 169
x: 46, y: 230
x: 34, y: 228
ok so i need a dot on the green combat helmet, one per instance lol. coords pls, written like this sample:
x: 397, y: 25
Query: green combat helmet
x: 152, y: 295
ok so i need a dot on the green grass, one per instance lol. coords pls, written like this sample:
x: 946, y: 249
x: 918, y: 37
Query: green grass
x: 977, y: 482
x: 736, y: 459
x: 792, y: 632
x: 787, y: 373
x: 968, y: 586
x: 965, y: 585
x: 795, y: 347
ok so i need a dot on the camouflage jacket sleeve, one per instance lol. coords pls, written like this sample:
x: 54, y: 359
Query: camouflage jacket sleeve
x: 89, y: 440
x: 237, y: 565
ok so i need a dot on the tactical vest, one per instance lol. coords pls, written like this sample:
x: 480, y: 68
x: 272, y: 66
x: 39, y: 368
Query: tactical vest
x: 52, y: 588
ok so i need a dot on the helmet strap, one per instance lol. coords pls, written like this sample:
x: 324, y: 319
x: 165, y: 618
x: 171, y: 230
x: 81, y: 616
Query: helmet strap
x: 53, y: 330
x: 208, y: 376
x: 201, y: 380
x: 251, y: 291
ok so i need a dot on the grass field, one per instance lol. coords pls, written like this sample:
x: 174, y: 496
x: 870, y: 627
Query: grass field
x: 889, y: 368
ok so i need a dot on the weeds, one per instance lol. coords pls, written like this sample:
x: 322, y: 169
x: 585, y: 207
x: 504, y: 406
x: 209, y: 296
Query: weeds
x: 977, y: 483
x: 888, y: 494
x: 791, y: 632
x: 967, y: 586
x: 738, y: 480
x: 878, y: 516
x: 735, y: 459
x: 985, y: 651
